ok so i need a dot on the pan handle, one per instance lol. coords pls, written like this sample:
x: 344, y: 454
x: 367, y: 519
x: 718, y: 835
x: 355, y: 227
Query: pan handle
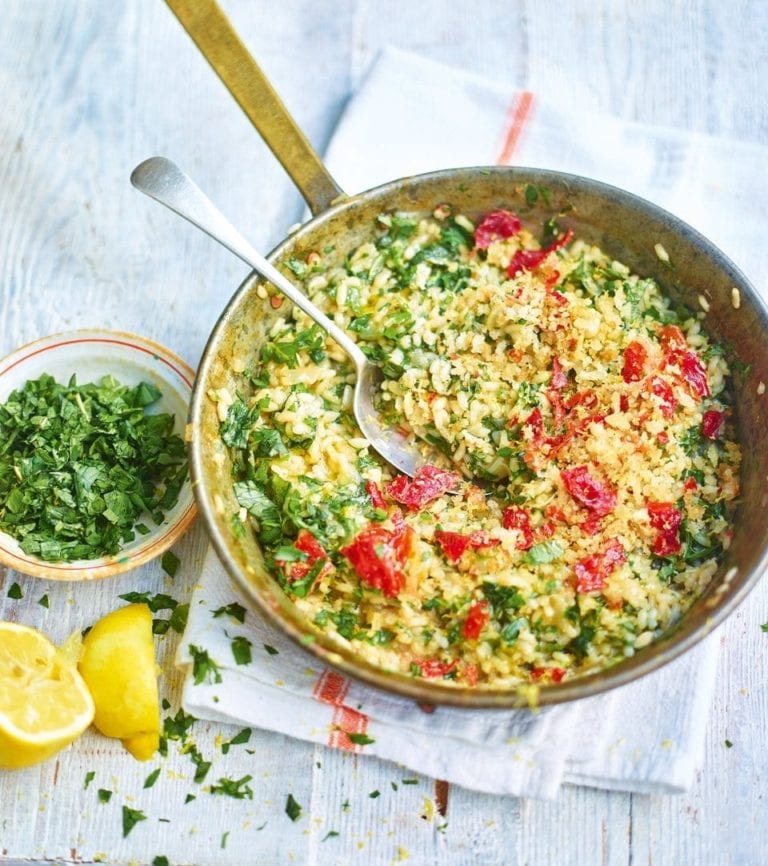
x: 214, y: 35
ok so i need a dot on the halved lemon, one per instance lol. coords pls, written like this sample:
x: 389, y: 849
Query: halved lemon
x: 44, y: 703
x: 118, y: 664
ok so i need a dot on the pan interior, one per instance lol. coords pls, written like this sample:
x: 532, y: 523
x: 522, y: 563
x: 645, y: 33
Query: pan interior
x: 651, y: 243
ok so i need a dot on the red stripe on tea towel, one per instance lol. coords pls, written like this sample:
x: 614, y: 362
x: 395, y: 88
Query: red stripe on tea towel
x: 519, y: 112
x: 332, y: 688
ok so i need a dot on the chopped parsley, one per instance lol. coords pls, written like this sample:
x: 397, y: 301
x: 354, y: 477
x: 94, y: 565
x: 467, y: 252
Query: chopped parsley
x: 170, y: 563
x: 292, y: 808
x: 237, y: 788
x: 241, y: 650
x: 15, y: 592
x: 329, y: 835
x: 235, y: 610
x: 131, y: 818
x: 152, y: 778
x: 43, y: 600
x: 81, y: 465
x: 242, y: 737
x: 270, y: 649
x: 105, y: 795
x: 89, y: 777
x: 361, y: 739
x: 204, y: 668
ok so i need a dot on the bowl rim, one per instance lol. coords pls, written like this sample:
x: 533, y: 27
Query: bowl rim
x: 158, y: 541
x: 662, y: 651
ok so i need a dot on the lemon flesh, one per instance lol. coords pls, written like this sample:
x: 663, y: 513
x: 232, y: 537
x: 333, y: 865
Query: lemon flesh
x: 44, y: 703
x: 118, y: 664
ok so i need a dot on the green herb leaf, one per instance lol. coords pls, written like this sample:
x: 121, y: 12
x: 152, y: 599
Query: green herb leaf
x: 242, y: 737
x: 160, y: 861
x: 237, y: 788
x: 292, y: 808
x: 170, y: 563
x: 235, y: 610
x: 152, y: 778
x: 131, y: 818
x: 728, y: 744
x: 270, y: 649
x: 204, y: 669
x: 104, y: 795
x: 15, y: 592
x: 241, y: 650
x: 43, y: 600
x: 89, y: 777
x: 361, y: 739
x: 329, y: 835
x: 764, y: 626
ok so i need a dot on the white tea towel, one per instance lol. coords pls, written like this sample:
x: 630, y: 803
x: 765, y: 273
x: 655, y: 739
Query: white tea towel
x: 413, y: 115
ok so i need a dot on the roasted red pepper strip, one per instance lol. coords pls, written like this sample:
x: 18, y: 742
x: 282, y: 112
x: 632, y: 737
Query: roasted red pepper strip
x: 695, y: 374
x: 527, y: 260
x: 665, y: 518
x: 635, y: 357
x: 559, y: 377
x: 672, y: 341
x: 592, y: 572
x: 428, y: 484
x: 431, y: 668
x: 476, y: 619
x: 379, y: 555
x: 712, y: 423
x: 587, y: 490
x: 454, y: 544
x: 667, y: 400
x: 518, y: 518
x: 554, y: 674
x: 497, y: 225
x: 377, y: 497
x: 308, y: 544
x: 536, y: 422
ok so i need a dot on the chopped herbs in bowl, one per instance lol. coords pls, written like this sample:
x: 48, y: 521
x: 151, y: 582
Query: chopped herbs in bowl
x: 93, y: 465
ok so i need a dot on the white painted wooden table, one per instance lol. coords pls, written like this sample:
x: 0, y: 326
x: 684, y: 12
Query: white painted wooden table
x: 88, y: 90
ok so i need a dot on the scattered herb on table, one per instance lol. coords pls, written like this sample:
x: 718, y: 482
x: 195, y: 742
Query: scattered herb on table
x: 204, y: 668
x: 201, y: 765
x: 239, y: 738
x: 15, y: 592
x: 105, y: 795
x: 237, y: 788
x: 160, y: 860
x: 292, y: 808
x: 81, y: 464
x: 170, y: 563
x: 329, y: 835
x: 241, y: 650
x: 131, y: 818
x: 224, y: 839
x: 374, y: 794
x: 89, y: 777
x: 270, y: 649
x: 361, y: 739
x: 152, y: 778
x: 43, y: 600
x: 728, y: 744
x: 235, y: 610
x: 189, y: 798
x: 764, y: 626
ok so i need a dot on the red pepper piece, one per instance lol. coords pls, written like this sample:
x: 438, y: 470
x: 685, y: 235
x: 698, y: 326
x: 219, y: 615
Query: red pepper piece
x: 377, y: 497
x: 712, y: 423
x: 518, y: 518
x: 662, y: 438
x: 592, y: 525
x: 559, y: 411
x: 554, y: 674
x: 428, y: 484
x: 589, y: 491
x: 308, y: 544
x: 635, y: 357
x: 497, y: 225
x: 471, y: 675
x: 667, y: 400
x: 665, y: 518
x: 690, y: 484
x: 454, y: 544
x: 672, y: 341
x: 527, y: 260
x: 559, y: 377
x: 431, y: 668
x: 379, y: 555
x: 476, y: 619
x: 587, y: 399
x: 536, y: 422
x: 695, y: 374
x: 592, y: 572
x: 624, y: 403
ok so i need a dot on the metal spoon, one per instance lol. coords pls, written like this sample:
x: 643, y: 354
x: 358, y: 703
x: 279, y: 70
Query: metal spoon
x: 165, y: 182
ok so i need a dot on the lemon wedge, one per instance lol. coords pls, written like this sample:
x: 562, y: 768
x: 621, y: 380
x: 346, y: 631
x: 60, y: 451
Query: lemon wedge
x: 44, y: 703
x: 118, y: 664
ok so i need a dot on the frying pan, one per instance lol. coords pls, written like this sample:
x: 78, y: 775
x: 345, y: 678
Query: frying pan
x: 627, y: 227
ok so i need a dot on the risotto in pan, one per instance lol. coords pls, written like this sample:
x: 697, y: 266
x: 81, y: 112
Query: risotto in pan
x: 583, y: 462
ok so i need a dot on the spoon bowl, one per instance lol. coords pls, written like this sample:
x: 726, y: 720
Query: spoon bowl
x: 162, y: 180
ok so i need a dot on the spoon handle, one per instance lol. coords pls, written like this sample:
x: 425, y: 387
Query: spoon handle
x: 164, y: 181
